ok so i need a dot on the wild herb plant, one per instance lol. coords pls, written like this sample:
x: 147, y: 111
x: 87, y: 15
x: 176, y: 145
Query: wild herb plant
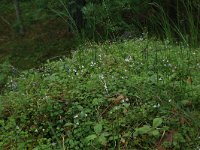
x: 106, y: 96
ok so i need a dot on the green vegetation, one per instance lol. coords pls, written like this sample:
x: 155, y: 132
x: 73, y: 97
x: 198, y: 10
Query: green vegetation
x: 138, y: 94
x: 53, y: 28
x: 45, y: 35
x: 99, y: 74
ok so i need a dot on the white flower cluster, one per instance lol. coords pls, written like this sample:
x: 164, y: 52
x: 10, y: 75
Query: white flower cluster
x: 128, y: 59
x: 101, y: 77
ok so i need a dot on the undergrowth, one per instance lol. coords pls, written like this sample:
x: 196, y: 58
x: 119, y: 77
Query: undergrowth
x: 138, y: 94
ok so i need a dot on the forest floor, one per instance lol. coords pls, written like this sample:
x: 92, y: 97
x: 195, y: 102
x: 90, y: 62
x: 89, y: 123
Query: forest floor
x: 44, y: 38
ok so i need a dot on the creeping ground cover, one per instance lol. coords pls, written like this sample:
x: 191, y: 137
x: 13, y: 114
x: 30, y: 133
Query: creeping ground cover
x: 137, y: 94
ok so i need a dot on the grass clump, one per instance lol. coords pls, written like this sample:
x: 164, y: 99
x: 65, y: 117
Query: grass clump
x: 139, y: 94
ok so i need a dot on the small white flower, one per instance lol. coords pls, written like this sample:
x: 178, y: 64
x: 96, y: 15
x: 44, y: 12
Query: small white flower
x: 140, y: 39
x: 116, y: 108
x: 92, y: 64
x: 36, y: 130
x: 100, y: 57
x: 106, y: 88
x: 75, y: 70
x: 156, y: 106
x: 17, y: 127
x: 128, y: 59
x: 76, y: 116
x: 53, y: 144
x: 169, y: 100
x: 101, y: 76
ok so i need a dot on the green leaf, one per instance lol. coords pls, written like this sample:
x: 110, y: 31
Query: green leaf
x: 98, y: 128
x: 143, y: 130
x: 115, y: 137
x: 69, y: 124
x: 185, y: 102
x: 102, y: 140
x: 90, y: 137
x: 105, y: 134
x: 155, y: 133
x: 157, y: 122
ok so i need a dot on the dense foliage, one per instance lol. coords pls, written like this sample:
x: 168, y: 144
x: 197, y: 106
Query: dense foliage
x: 169, y: 19
x: 140, y: 90
x: 101, y: 19
x: 139, y: 94
x: 52, y: 27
